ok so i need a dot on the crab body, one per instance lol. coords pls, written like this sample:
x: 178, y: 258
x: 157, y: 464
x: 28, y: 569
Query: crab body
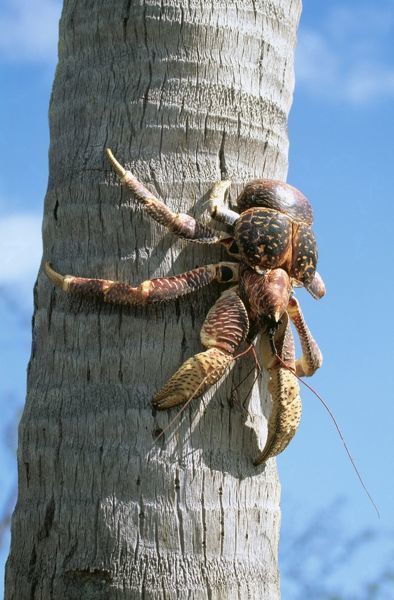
x: 276, y: 249
x: 274, y: 229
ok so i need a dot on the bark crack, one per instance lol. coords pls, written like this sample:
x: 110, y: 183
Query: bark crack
x: 222, y: 158
x: 179, y: 513
x: 126, y: 20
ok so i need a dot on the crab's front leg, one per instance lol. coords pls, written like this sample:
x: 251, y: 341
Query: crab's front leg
x: 224, y: 329
x: 219, y: 211
x: 161, y: 289
x: 283, y: 386
x: 312, y: 358
x: 180, y: 224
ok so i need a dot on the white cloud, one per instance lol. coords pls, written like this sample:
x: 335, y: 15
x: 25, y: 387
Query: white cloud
x: 29, y: 30
x: 20, y: 248
x: 349, y: 58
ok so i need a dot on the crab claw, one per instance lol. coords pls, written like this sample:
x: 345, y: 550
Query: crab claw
x: 283, y: 386
x: 285, y: 413
x: 193, y: 378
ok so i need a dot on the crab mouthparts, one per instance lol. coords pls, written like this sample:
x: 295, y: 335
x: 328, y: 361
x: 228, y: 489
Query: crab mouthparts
x: 271, y: 323
x: 275, y: 298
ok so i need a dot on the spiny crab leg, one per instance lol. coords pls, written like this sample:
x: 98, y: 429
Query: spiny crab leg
x: 283, y: 386
x: 312, y: 358
x: 224, y: 329
x: 181, y: 224
x: 153, y: 290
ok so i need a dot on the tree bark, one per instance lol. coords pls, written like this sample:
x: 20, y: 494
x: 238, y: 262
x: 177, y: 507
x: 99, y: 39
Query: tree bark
x: 185, y: 92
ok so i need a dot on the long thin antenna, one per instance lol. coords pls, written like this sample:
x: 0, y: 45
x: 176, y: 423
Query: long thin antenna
x: 234, y: 389
x: 328, y: 409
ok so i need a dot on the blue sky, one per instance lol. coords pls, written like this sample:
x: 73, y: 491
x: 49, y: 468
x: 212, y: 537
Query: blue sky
x: 341, y: 155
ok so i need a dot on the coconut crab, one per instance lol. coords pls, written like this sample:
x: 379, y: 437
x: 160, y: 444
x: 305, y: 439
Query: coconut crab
x: 272, y: 240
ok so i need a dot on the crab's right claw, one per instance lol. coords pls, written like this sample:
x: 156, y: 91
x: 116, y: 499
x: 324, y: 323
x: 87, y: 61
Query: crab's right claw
x: 285, y: 413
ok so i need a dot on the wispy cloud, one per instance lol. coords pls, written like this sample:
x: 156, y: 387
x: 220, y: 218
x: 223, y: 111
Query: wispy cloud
x: 29, y: 30
x: 20, y: 249
x: 349, y: 58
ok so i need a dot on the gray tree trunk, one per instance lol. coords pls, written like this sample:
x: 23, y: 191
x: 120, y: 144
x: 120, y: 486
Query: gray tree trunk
x: 186, y: 92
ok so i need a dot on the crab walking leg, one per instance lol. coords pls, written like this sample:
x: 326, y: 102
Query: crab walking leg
x: 283, y: 386
x: 316, y: 287
x: 181, y: 224
x: 312, y: 358
x: 217, y: 208
x: 224, y: 329
x: 152, y: 290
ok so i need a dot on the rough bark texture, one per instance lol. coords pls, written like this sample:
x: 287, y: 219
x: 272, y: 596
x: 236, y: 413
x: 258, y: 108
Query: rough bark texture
x: 185, y: 92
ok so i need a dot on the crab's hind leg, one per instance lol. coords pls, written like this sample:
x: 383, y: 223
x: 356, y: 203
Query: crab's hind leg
x: 180, y: 224
x: 312, y: 358
x: 161, y: 289
x: 283, y: 386
x: 224, y: 329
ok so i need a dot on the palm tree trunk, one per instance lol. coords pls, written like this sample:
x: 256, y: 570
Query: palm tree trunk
x: 185, y: 92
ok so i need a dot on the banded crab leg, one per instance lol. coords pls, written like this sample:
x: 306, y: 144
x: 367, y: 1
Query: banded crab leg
x: 181, y: 224
x: 161, y: 289
x: 224, y: 329
x: 312, y: 358
x: 283, y: 386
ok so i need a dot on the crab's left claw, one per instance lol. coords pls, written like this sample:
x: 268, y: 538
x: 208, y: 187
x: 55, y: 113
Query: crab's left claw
x: 224, y: 329
x: 284, y: 389
x: 193, y: 378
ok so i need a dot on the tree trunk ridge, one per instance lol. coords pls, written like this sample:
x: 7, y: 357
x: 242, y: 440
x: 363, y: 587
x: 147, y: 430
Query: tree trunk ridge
x: 185, y: 92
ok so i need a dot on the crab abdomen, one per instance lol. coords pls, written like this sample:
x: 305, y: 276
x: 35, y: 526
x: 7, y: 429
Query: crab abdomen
x: 277, y: 195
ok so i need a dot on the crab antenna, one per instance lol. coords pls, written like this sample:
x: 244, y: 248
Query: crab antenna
x: 328, y: 409
x: 244, y: 379
x: 251, y: 348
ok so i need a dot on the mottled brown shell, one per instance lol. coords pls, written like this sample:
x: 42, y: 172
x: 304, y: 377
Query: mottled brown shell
x: 274, y: 229
x: 264, y: 238
x: 277, y: 195
x: 304, y: 255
